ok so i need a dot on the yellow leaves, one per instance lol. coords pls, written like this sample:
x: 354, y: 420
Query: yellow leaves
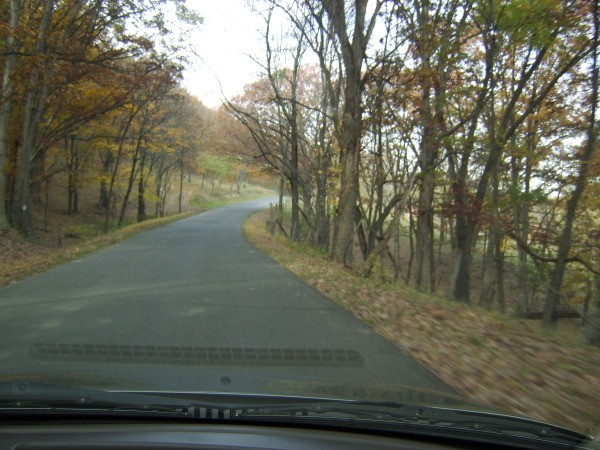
x: 106, y: 145
x: 151, y: 196
x: 578, y: 299
x: 577, y: 285
x: 100, y: 177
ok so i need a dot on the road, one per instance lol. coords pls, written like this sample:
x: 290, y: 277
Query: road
x: 193, y: 304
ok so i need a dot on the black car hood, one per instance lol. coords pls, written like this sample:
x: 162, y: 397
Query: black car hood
x: 308, y: 389
x: 377, y: 392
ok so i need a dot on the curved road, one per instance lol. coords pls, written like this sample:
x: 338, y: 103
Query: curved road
x: 191, y: 305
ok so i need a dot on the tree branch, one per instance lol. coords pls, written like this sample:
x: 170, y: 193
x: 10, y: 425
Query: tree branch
x: 531, y: 252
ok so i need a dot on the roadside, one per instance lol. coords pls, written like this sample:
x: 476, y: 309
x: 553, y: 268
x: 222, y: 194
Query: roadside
x: 21, y: 258
x: 512, y: 364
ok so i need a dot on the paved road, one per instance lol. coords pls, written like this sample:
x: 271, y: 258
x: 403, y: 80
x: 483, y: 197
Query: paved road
x: 193, y: 304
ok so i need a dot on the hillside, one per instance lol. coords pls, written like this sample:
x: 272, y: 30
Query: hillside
x: 491, y: 359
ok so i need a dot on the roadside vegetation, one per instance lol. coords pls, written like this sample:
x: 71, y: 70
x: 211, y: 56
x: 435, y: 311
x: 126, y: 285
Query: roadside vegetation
x: 453, y: 142
x: 96, y: 132
x: 513, y: 364
x: 70, y: 237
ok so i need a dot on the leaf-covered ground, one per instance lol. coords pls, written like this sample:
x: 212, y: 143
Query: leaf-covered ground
x: 512, y: 364
x: 72, y: 236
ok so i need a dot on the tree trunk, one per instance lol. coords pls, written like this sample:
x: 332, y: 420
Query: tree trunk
x: 460, y: 284
x: 141, y: 215
x: 592, y: 330
x: 295, y: 148
x: 425, y: 247
x: 469, y: 210
x: 10, y: 60
x: 46, y: 203
x: 71, y: 160
x: 141, y: 210
x: 349, y: 131
x: 564, y: 246
x: 181, y: 172
x: 34, y: 109
x: 321, y: 217
x: 346, y: 213
x: 489, y: 273
x: 103, y: 199
x: 349, y: 140
x: 427, y: 159
x: 521, y: 226
x: 488, y: 283
x: 499, y: 266
x: 411, y: 245
x: 131, y: 181
x: 113, y: 175
x: 280, y: 191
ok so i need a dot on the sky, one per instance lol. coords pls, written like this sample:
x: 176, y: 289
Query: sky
x: 229, y: 34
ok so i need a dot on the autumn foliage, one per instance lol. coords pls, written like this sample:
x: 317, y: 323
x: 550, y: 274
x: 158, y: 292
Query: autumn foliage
x: 451, y: 145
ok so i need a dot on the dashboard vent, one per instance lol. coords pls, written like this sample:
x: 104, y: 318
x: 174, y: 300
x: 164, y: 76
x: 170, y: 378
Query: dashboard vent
x: 200, y: 355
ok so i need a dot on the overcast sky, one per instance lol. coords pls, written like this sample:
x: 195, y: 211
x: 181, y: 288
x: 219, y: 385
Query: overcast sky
x: 228, y: 35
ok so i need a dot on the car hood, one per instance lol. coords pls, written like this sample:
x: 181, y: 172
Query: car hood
x: 292, y: 388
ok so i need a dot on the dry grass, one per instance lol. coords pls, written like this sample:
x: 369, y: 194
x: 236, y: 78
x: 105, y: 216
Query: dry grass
x: 20, y: 258
x: 491, y: 359
x: 66, y: 237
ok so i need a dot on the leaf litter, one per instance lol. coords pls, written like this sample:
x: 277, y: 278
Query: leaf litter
x: 508, y: 363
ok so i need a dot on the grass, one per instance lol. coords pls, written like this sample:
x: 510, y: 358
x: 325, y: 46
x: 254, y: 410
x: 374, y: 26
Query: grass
x: 20, y: 258
x: 84, y: 230
x: 46, y: 258
x: 209, y: 199
x: 490, y: 359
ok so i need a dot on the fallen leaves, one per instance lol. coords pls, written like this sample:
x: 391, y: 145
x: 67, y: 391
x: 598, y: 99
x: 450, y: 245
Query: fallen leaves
x: 20, y: 258
x: 507, y: 363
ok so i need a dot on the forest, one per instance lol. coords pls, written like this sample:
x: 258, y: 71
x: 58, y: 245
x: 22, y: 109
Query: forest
x: 448, y: 145
x: 91, y: 96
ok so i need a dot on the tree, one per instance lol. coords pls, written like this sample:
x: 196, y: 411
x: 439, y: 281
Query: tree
x: 534, y: 50
x: 483, y: 98
x: 585, y: 158
x: 56, y: 50
x: 12, y: 45
x: 352, y: 31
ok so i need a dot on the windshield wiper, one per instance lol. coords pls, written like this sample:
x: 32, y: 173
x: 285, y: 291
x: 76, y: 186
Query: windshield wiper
x: 441, y: 421
x: 23, y: 397
x: 28, y: 396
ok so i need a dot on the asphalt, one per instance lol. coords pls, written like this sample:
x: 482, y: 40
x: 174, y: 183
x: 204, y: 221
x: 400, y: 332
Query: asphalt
x: 193, y: 305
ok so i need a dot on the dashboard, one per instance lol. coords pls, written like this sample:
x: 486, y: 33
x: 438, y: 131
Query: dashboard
x: 158, y: 436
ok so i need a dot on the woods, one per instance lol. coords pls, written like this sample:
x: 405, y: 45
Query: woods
x: 90, y: 94
x: 443, y: 144
x: 447, y: 145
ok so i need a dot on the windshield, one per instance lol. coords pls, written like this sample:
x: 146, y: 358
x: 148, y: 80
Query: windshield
x: 355, y: 200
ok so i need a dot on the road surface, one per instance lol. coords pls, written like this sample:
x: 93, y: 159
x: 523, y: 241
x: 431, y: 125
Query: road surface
x: 193, y: 304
